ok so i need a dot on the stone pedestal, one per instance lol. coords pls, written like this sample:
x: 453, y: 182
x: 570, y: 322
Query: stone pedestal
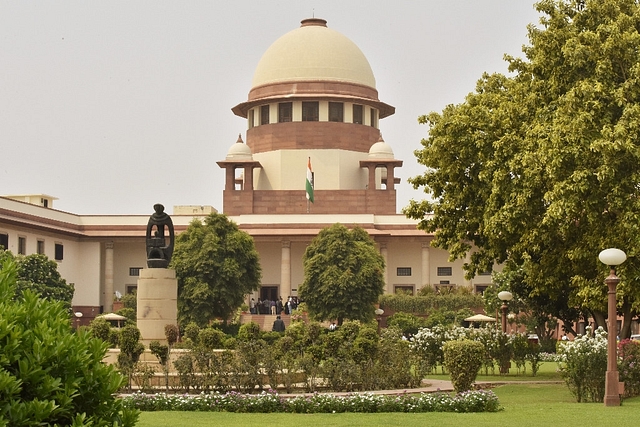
x: 157, y: 303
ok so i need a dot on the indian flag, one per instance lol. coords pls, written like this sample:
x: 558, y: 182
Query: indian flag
x: 309, y: 184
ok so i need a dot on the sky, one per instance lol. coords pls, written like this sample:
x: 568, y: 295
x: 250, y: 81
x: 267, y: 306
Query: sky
x: 114, y: 106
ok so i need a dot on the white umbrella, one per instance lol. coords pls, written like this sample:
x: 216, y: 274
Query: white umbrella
x: 480, y: 318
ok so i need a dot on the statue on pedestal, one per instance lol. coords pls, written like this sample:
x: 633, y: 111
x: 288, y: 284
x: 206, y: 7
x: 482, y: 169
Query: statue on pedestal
x: 159, y: 251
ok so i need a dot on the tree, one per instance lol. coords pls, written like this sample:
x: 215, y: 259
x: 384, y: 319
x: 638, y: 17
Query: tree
x: 540, y: 170
x: 217, y: 265
x: 50, y: 374
x: 40, y: 274
x: 344, y: 275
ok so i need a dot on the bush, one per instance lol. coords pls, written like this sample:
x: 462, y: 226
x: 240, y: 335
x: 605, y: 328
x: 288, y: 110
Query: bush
x: 50, y: 375
x: 211, y: 338
x: 171, y: 333
x: 463, y: 359
x: 472, y: 401
x: 583, y: 365
x: 408, y: 323
x: 629, y: 366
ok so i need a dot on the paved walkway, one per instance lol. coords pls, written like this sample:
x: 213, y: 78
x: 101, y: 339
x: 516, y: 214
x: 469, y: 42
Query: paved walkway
x: 431, y: 386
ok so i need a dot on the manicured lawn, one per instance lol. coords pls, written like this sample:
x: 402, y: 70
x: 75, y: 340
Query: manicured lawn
x: 524, y: 405
x: 548, y: 372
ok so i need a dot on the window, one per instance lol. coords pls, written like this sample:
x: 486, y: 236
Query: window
x: 4, y: 240
x: 374, y: 118
x: 285, y: 112
x: 444, y: 271
x: 403, y: 289
x: 40, y: 247
x: 251, y: 117
x: 264, y: 115
x: 357, y: 114
x: 481, y: 288
x: 403, y: 271
x: 22, y: 245
x: 336, y: 112
x: 131, y: 289
x: 59, y: 252
x: 485, y: 273
x: 444, y: 288
x: 134, y: 271
x: 310, y: 111
x: 44, y: 202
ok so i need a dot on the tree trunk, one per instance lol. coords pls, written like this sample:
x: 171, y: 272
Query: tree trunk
x: 627, y: 316
x: 599, y: 319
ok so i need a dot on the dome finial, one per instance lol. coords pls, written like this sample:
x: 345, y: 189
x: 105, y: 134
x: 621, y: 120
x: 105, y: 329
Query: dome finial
x: 313, y: 22
x: 380, y: 137
x: 240, y: 141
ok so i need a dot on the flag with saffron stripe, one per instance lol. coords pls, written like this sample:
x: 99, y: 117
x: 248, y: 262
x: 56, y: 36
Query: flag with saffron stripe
x: 309, y: 184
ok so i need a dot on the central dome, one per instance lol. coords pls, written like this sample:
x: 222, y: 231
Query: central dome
x: 313, y: 52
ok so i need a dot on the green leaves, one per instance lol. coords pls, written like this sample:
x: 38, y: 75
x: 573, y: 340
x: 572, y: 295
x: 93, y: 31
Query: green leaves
x: 50, y: 375
x: 216, y: 265
x: 343, y: 275
x: 540, y: 171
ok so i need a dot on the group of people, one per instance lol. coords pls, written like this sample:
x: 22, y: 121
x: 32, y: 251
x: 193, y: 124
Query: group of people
x: 277, y: 307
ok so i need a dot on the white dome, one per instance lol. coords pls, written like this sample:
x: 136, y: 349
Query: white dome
x: 239, y: 151
x: 313, y: 52
x: 381, y: 150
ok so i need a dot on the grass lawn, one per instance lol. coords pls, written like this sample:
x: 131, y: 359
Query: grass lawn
x: 524, y: 405
x: 548, y: 371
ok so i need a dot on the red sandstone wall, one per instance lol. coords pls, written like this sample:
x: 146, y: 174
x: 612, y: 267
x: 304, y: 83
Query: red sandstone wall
x: 379, y: 202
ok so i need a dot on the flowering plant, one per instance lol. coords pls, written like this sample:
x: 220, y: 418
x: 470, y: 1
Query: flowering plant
x: 583, y: 364
x: 266, y: 402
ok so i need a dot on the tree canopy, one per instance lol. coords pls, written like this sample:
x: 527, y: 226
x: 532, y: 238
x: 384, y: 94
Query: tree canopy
x: 38, y: 273
x: 216, y: 265
x: 343, y: 275
x: 540, y: 171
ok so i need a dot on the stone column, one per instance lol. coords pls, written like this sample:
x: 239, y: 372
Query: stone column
x: 385, y: 255
x: 157, y: 303
x: 426, y: 265
x: 285, y: 270
x: 108, y: 277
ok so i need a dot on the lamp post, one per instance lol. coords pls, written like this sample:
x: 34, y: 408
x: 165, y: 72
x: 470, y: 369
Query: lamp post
x: 504, y: 297
x: 379, y: 313
x: 78, y: 315
x: 612, y: 257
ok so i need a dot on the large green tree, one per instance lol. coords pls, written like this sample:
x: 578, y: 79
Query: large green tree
x: 39, y: 274
x: 343, y: 275
x: 217, y: 265
x: 541, y: 170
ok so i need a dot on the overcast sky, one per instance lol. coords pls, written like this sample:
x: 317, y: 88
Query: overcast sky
x: 113, y: 106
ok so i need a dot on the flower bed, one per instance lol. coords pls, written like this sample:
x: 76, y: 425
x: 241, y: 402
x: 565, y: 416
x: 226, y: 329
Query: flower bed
x: 470, y: 401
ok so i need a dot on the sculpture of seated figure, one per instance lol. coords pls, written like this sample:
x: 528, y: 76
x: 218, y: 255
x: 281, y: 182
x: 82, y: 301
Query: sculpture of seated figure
x: 158, y: 251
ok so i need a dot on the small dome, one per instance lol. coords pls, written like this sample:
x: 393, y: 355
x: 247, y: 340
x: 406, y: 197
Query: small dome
x: 239, y: 151
x: 313, y: 52
x: 381, y: 150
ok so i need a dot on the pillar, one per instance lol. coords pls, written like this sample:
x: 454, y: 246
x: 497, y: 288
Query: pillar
x: 157, y: 303
x: 285, y: 270
x: 426, y: 265
x: 108, y: 277
x: 385, y: 255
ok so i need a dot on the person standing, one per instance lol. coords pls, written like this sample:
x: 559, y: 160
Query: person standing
x: 278, y: 325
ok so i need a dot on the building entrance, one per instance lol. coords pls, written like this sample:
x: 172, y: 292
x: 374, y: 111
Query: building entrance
x: 269, y: 293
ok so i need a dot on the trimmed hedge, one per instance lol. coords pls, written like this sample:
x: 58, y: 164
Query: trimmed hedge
x: 427, y: 304
x: 267, y: 402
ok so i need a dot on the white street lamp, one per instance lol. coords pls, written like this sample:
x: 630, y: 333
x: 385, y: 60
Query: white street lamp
x: 504, y: 296
x: 612, y: 257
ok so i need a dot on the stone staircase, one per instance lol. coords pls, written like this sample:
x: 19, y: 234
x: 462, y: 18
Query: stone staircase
x: 264, y: 320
